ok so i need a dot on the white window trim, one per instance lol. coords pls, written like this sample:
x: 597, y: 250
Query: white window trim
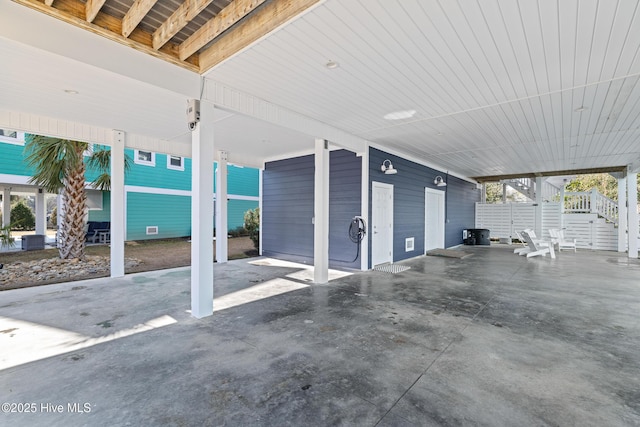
x: 19, y: 140
x: 143, y: 162
x: 177, y: 168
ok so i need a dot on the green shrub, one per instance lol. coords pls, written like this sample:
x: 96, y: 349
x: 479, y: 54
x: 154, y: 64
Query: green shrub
x: 22, y: 218
x: 252, y: 225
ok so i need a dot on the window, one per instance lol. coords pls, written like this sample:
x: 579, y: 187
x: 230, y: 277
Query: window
x: 144, y: 158
x: 175, y: 163
x: 12, y: 136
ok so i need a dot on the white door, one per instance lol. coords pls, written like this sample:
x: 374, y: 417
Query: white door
x: 433, y: 219
x: 382, y: 223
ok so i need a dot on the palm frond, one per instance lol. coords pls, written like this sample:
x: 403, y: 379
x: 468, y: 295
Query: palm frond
x: 51, y: 159
x: 101, y: 162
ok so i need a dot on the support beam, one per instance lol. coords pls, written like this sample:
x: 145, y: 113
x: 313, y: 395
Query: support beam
x: 41, y: 212
x: 270, y: 16
x: 6, y: 207
x: 117, y: 204
x: 176, y: 22
x: 364, y: 209
x: 622, y: 214
x: 221, y: 209
x: 260, y: 171
x: 92, y: 8
x: 321, y: 213
x: 538, y: 207
x: 632, y: 192
x: 202, y: 214
x: 133, y: 17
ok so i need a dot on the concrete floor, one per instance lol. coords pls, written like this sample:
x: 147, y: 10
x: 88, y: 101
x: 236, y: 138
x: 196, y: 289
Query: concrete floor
x: 493, y: 339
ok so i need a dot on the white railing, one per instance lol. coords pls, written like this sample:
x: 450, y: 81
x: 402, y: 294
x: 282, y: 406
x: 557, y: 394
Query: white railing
x: 591, y: 202
x: 550, y: 193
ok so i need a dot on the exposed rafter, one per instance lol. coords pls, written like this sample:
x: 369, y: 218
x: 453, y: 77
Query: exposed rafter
x: 92, y: 9
x: 216, y: 26
x: 138, y: 11
x: 264, y: 20
x: 157, y: 28
x: 181, y: 17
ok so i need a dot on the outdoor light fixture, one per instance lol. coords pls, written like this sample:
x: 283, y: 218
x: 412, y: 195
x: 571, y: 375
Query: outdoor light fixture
x: 439, y: 181
x: 388, y: 168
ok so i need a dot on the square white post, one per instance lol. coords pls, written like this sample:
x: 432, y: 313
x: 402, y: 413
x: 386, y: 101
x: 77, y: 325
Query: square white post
x: 222, y: 227
x: 6, y: 207
x: 202, y: 214
x: 622, y: 214
x: 41, y: 213
x: 632, y: 192
x: 117, y: 204
x: 364, y: 209
x: 321, y: 213
x: 538, y: 207
x: 260, y: 210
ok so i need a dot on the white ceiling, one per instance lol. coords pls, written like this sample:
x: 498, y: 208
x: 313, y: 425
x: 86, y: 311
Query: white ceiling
x: 495, y: 84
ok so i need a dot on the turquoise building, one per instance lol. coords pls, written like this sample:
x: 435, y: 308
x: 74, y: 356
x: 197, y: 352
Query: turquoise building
x: 157, y: 190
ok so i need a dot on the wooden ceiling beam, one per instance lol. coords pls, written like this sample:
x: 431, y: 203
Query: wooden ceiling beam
x: 496, y: 178
x: 270, y: 16
x: 138, y: 10
x: 73, y: 12
x: 92, y: 9
x: 181, y: 17
x: 234, y: 12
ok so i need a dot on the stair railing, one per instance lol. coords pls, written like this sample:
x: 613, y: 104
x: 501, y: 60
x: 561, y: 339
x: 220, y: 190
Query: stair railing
x: 591, y: 202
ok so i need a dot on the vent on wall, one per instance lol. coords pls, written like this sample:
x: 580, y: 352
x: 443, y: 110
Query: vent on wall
x: 152, y: 229
x: 409, y: 244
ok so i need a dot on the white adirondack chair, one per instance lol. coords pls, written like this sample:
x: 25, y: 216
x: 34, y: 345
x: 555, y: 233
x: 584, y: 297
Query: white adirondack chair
x: 537, y: 247
x: 563, y: 243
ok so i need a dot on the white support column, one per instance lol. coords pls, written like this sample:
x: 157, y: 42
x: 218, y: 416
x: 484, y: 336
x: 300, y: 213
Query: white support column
x: 622, y: 214
x: 117, y: 204
x: 538, y: 208
x: 562, y: 190
x: 321, y: 213
x: 202, y: 214
x: 222, y: 227
x: 260, y: 209
x: 41, y: 213
x: 504, y: 193
x: 364, y: 210
x: 6, y: 207
x: 632, y: 191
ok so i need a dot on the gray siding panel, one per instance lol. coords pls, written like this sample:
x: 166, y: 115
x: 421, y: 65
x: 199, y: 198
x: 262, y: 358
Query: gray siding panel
x: 287, y: 208
x: 408, y: 212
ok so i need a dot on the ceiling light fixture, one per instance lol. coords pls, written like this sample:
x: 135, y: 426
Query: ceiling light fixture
x: 439, y: 182
x: 71, y: 91
x: 332, y: 65
x: 580, y: 109
x: 388, y: 168
x: 399, y: 115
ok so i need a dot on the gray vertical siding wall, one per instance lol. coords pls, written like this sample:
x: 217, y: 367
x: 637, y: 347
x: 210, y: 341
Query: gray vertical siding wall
x: 287, y: 208
x: 408, y: 194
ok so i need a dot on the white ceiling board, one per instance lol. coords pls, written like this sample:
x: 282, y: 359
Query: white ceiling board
x: 495, y: 84
x: 485, y: 74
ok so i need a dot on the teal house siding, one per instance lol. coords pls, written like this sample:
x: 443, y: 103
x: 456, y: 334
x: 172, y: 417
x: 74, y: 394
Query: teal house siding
x: 103, y: 214
x: 170, y: 213
x: 243, y: 181
x: 12, y: 160
x: 156, y: 195
x: 235, y: 212
x: 158, y: 176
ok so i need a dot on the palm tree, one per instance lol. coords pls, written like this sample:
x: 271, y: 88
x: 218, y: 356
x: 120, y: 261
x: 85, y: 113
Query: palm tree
x: 60, y: 167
